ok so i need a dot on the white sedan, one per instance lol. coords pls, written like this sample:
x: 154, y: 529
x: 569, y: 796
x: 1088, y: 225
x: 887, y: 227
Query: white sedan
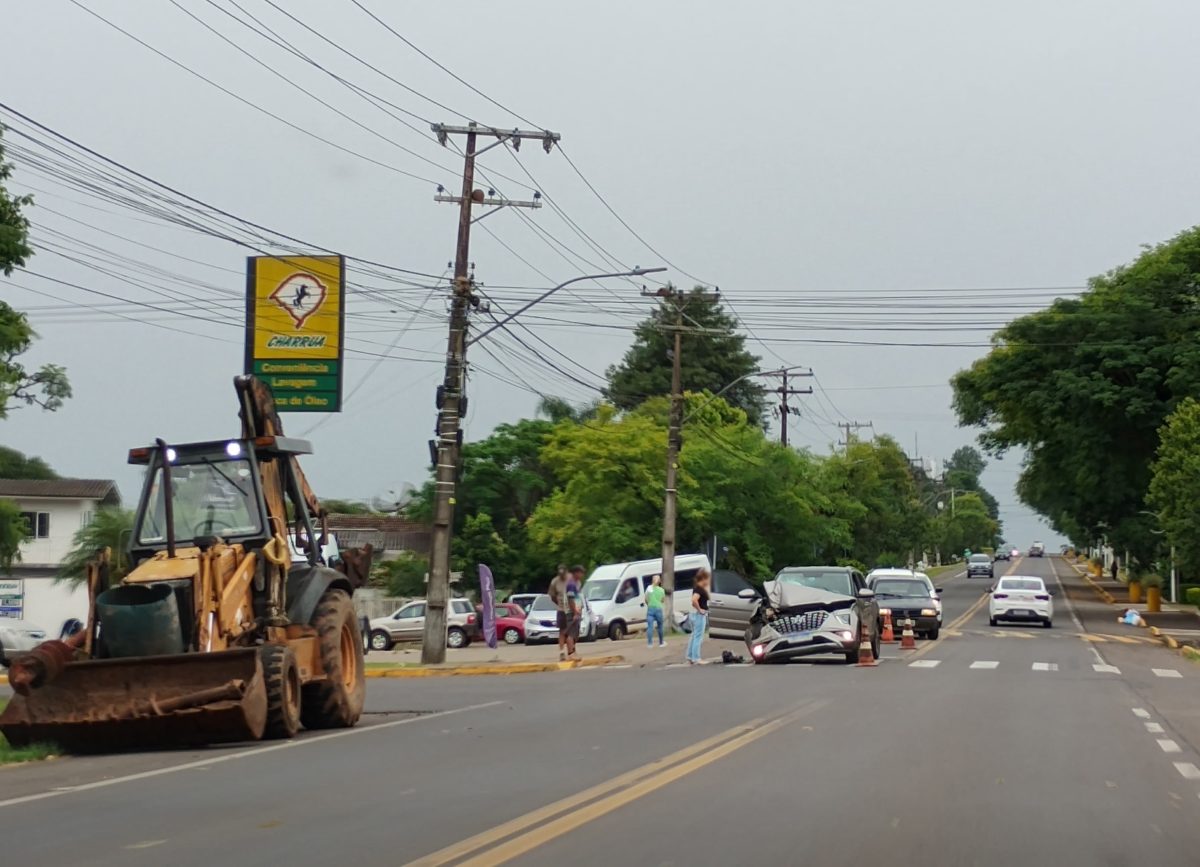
x: 1021, y: 598
x: 17, y: 636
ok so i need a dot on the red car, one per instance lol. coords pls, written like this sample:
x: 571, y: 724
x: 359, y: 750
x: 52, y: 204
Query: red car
x: 510, y: 622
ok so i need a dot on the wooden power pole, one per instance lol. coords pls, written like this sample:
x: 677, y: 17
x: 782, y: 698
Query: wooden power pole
x: 451, y: 396
x: 679, y: 300
x: 851, y: 428
x: 783, y: 391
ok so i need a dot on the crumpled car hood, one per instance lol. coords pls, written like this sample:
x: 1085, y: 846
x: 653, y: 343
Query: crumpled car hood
x: 783, y: 595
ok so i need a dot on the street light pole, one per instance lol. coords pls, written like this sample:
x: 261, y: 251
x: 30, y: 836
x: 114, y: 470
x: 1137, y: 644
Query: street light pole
x: 500, y: 323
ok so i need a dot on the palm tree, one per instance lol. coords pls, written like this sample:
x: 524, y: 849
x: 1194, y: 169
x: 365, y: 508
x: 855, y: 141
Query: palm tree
x: 110, y: 528
x: 556, y: 409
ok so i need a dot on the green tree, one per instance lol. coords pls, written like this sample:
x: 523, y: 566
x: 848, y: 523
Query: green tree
x: 713, y: 356
x: 12, y: 534
x: 110, y: 528
x: 14, y: 465
x: 346, y: 507
x: 14, y: 225
x: 1175, y: 483
x: 1084, y: 386
x: 401, y: 576
x: 968, y: 525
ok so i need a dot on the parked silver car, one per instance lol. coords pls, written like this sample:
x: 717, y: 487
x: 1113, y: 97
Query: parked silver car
x: 407, y: 623
x: 17, y: 636
x: 541, y: 624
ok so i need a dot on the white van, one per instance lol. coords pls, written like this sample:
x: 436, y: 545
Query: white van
x: 617, y: 592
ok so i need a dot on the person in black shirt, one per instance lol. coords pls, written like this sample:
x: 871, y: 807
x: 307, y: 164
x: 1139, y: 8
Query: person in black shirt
x: 699, y: 615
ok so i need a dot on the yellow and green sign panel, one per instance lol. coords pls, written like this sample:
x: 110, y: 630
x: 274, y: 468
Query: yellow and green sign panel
x: 295, y: 322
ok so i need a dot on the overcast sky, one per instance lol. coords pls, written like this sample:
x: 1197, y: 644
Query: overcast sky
x: 844, y: 165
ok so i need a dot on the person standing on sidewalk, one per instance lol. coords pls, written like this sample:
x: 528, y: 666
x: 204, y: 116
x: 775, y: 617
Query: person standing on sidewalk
x: 654, y: 611
x: 699, y: 616
x: 558, y: 595
x: 574, y: 597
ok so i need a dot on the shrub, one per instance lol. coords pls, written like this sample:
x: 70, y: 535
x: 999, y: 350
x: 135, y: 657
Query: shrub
x: 1192, y: 596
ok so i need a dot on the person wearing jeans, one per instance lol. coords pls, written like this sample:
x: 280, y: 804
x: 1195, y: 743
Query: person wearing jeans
x: 699, y: 616
x: 654, y: 611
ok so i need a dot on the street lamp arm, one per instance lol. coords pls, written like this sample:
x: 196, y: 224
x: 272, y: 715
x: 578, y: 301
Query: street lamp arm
x: 742, y: 379
x: 500, y: 323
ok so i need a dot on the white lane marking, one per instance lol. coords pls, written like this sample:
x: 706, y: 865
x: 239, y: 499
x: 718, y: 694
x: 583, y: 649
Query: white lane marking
x: 1188, y: 770
x: 1106, y: 669
x: 984, y: 663
x: 925, y: 663
x: 145, y: 844
x: 1141, y: 713
x: 243, y: 754
x: 1045, y: 666
x: 1153, y: 728
x: 1166, y: 672
x: 1168, y: 746
x: 1063, y: 593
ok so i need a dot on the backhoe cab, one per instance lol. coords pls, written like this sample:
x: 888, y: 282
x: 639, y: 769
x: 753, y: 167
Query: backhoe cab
x: 219, y: 633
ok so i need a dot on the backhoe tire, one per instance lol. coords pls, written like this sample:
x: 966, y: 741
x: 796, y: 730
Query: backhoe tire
x: 283, y: 691
x: 337, y: 701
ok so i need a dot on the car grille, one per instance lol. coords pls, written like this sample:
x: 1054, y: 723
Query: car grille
x: 902, y: 613
x: 805, y: 622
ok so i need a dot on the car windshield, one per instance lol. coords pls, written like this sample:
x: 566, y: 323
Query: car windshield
x: 834, y: 582
x: 980, y: 558
x: 900, y: 587
x: 209, y: 498
x: 599, y: 589
x: 543, y: 603
x: 1022, y: 584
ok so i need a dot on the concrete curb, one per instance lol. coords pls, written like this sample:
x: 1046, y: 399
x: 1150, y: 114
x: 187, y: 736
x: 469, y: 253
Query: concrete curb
x: 492, y: 668
x: 1100, y: 591
x: 482, y: 668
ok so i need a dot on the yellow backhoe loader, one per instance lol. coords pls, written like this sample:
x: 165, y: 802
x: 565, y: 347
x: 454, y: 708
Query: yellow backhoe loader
x: 231, y: 626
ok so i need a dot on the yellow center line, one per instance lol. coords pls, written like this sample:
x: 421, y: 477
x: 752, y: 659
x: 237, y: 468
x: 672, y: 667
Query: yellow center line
x: 554, y: 820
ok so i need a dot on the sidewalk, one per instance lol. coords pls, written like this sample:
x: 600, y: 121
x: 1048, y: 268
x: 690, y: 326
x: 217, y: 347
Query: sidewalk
x: 1090, y: 598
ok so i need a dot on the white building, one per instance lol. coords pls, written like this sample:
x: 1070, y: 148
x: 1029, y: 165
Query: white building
x: 54, y: 510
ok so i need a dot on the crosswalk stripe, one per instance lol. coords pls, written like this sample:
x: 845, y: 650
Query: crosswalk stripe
x: 1045, y: 666
x: 1141, y: 713
x: 1188, y: 770
x: 925, y: 663
x: 1169, y: 746
x: 1153, y: 728
x: 1106, y: 669
x: 1166, y: 672
x: 983, y: 663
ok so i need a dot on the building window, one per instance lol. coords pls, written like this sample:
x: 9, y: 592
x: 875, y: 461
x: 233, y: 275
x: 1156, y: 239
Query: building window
x: 37, y: 524
x: 85, y: 518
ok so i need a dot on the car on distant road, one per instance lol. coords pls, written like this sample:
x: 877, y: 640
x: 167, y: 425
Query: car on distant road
x: 812, y: 611
x: 980, y: 566
x: 17, y: 636
x: 407, y: 623
x: 1002, y: 553
x: 541, y: 623
x: 510, y: 622
x: 1037, y: 549
x: 1021, y: 598
x: 908, y: 595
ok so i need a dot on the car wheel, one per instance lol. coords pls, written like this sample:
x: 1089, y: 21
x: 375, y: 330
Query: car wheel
x: 455, y: 637
x: 380, y: 640
x: 616, y: 630
x: 875, y: 646
x: 992, y: 621
x: 851, y: 657
x: 1047, y: 624
x: 933, y: 633
x: 512, y: 636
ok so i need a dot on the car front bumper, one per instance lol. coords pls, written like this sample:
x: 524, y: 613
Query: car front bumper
x: 980, y: 573
x: 795, y: 646
x: 921, y: 623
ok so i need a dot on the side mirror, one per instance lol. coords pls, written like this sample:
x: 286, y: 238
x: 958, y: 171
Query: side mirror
x: 866, y: 593
x: 937, y: 590
x: 747, y: 593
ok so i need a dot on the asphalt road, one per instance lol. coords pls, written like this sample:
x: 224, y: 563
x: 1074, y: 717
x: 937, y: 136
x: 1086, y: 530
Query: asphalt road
x: 986, y: 747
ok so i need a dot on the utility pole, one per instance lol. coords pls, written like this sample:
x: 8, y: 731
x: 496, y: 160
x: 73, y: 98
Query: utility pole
x: 451, y: 395
x: 783, y: 391
x: 680, y: 300
x: 854, y: 426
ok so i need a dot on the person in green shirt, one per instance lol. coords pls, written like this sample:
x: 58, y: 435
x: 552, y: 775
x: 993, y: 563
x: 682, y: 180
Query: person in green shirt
x: 654, y: 611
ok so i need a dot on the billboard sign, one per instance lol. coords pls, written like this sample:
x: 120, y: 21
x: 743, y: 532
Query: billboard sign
x: 295, y: 323
x: 12, y: 597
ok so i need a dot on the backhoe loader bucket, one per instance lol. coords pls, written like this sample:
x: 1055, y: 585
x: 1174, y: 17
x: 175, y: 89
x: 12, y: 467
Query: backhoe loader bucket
x: 143, y: 702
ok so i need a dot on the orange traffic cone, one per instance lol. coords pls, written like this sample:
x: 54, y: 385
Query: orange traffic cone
x: 866, y: 656
x: 908, y: 641
x: 888, y: 636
